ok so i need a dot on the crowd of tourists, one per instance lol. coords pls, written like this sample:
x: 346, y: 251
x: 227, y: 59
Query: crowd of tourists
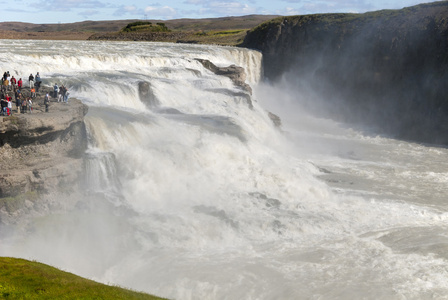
x: 13, y: 87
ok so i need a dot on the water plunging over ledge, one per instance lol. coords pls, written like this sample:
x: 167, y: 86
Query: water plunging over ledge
x: 209, y: 200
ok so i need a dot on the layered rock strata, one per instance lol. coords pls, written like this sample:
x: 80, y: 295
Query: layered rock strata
x: 42, y: 151
x: 387, y: 69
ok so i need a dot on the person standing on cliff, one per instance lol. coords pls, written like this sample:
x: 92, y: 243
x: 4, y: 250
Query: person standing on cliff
x: 16, y: 94
x: 4, y: 105
x: 18, y: 101
x: 47, y: 102
x: 31, y: 80
x: 9, y: 101
x: 24, y: 104
x: 6, y: 84
x: 33, y: 92
x: 61, y: 91
x: 37, y: 86
x: 65, y: 94
x: 30, y: 105
x: 55, y: 90
x: 19, y: 83
x: 9, y: 107
x: 8, y: 80
x: 13, y: 83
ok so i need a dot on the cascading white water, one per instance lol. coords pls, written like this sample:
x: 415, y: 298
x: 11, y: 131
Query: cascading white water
x: 211, y: 201
x: 101, y: 173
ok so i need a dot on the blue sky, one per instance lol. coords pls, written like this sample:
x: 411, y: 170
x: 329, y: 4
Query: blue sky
x: 68, y: 11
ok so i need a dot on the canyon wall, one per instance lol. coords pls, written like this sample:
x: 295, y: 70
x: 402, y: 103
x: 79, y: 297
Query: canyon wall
x: 386, y: 69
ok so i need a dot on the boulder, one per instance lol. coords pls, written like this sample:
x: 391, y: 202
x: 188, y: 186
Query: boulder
x: 275, y: 119
x: 235, y: 73
x: 147, y: 95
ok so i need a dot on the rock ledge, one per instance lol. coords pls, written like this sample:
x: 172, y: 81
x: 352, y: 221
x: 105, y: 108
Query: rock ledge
x: 42, y: 151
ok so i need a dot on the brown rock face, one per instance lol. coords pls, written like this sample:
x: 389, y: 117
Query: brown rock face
x: 42, y: 151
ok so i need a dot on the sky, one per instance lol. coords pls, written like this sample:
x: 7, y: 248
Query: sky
x: 69, y: 11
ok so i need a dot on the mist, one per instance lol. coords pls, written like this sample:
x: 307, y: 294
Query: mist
x: 203, y: 197
x: 385, y: 71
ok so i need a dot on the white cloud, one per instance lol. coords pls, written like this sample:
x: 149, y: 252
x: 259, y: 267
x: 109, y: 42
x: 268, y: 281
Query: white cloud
x: 195, y: 2
x: 164, y: 12
x: 289, y: 11
x: 67, y: 5
x: 227, y: 8
x: 72, y: 10
x: 332, y: 6
x: 88, y: 13
x: 130, y: 9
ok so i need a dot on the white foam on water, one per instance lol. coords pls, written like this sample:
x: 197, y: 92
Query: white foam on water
x: 213, y: 202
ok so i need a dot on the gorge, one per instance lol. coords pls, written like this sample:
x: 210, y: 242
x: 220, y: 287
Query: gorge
x: 386, y: 69
x: 188, y: 178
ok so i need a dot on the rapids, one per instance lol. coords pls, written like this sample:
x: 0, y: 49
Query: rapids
x: 201, y: 197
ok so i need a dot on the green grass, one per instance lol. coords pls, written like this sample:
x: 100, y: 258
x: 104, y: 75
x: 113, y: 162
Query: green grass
x: 218, y: 37
x: 228, y: 32
x: 23, y: 279
x: 231, y: 37
x: 145, y: 26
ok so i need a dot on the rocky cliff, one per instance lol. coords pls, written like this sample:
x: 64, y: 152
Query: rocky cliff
x: 42, y: 151
x: 387, y: 69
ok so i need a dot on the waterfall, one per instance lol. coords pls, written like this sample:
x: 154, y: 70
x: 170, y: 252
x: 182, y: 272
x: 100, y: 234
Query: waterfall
x: 210, y: 200
x: 100, y: 173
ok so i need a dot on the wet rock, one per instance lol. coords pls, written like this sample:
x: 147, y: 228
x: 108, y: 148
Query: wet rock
x: 235, y: 73
x: 147, y: 95
x: 275, y: 119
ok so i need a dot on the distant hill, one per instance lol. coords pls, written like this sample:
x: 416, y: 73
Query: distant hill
x: 83, y: 30
x: 89, y: 26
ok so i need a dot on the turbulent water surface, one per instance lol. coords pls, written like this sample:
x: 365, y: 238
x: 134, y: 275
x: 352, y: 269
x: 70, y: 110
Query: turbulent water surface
x: 198, y: 196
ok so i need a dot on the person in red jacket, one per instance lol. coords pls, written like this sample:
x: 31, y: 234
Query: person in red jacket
x: 19, y: 83
x: 13, y: 83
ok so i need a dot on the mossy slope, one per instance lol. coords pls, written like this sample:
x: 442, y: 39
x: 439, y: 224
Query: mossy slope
x: 23, y: 279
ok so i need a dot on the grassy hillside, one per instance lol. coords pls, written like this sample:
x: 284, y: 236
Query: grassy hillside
x: 22, y: 279
x: 115, y: 25
x: 213, y: 37
x: 229, y: 31
x: 195, y: 30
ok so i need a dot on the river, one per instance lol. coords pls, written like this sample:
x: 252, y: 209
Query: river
x: 198, y: 195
